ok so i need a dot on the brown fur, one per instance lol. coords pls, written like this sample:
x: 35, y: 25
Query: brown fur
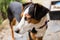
x: 12, y: 24
x: 34, y: 37
x: 13, y: 21
x: 31, y: 20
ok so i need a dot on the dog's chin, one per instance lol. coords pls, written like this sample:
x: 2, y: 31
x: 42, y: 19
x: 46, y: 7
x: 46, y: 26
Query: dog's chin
x: 25, y: 28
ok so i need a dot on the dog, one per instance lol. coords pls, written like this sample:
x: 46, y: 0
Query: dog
x: 33, y: 20
x: 31, y: 17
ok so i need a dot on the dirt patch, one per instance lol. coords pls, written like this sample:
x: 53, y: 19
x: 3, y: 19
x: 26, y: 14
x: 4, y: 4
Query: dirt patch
x: 5, y: 31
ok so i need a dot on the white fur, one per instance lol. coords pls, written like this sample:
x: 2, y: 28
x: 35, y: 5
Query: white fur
x: 22, y: 22
x: 27, y: 10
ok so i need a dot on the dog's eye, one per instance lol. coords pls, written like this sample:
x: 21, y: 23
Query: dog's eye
x: 27, y: 18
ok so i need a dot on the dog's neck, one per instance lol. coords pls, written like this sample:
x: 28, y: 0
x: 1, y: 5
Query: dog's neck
x: 42, y: 22
x: 40, y: 32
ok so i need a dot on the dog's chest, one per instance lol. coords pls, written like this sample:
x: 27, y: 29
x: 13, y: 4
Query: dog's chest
x: 40, y: 31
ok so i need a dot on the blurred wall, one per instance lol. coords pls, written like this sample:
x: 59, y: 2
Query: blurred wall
x: 45, y: 3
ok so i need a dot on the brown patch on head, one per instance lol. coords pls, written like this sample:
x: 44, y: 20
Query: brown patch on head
x: 29, y: 19
x: 34, y: 21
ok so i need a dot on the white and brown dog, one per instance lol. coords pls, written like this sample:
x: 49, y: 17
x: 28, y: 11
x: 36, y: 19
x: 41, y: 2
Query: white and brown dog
x: 33, y: 20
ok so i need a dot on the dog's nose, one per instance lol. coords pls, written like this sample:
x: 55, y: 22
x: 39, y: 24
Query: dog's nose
x: 17, y: 31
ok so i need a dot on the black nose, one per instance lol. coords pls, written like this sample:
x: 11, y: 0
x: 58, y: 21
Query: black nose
x: 17, y: 31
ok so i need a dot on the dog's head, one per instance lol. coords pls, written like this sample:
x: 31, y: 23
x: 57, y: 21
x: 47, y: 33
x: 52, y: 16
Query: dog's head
x: 32, y: 13
x: 35, y: 12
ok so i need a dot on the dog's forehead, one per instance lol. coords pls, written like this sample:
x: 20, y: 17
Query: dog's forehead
x: 28, y: 8
x: 31, y: 5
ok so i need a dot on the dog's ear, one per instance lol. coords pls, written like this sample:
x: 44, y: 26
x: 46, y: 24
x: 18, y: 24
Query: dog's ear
x: 41, y: 11
x: 44, y: 9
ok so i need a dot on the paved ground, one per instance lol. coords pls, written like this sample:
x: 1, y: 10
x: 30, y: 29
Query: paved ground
x: 5, y: 32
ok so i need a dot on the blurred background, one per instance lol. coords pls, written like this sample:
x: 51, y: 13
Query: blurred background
x: 3, y: 7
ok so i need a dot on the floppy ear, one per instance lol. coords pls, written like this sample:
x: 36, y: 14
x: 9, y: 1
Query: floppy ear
x: 44, y: 9
x: 41, y: 11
